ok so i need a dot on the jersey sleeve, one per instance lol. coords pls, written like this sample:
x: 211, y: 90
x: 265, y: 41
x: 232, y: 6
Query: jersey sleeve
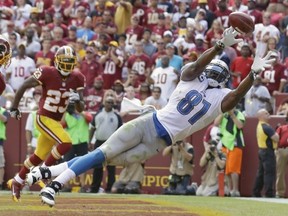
x: 41, y: 74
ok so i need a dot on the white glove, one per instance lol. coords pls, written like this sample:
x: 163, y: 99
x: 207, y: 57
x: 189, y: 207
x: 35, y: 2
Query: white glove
x: 229, y: 37
x: 259, y: 64
x: 74, y: 96
x: 15, y: 113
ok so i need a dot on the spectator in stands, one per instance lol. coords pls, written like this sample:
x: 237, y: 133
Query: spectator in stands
x: 185, y: 43
x: 4, y: 115
x: 122, y: 16
x: 81, y: 14
x: 139, y: 62
x: 267, y: 140
x: 148, y: 47
x: 281, y: 159
x: 272, y: 45
x: 222, y: 13
x: 144, y: 92
x: 283, y: 108
x: 274, y: 78
x: 109, y: 26
x: 231, y: 127
x: 160, y: 51
x: 93, y: 97
x: 263, y: 31
x: 212, y: 162
x: 20, y: 68
x: 72, y: 37
x: 201, y: 25
x: 255, y: 14
x: 214, y: 33
x: 119, y: 90
x: 133, y: 80
x: 6, y: 15
x: 156, y: 99
x: 165, y: 77
x: 12, y: 38
x: 32, y: 46
x: 140, y: 9
x: 77, y: 126
x: 134, y: 32
x: 45, y: 56
x: 58, y: 22
x: 238, y: 6
x: 181, y: 168
x: 80, y: 49
x: 241, y: 65
x: 11, y: 30
x: 152, y: 14
x: 159, y: 29
x: 21, y: 14
x: 130, y: 179
x: 209, y: 7
x: 168, y: 37
x: 85, y: 32
x: 183, y: 11
x: 112, y: 64
x: 104, y: 123
x: 45, y: 34
x: 200, y: 45
x: 174, y: 60
x: 57, y: 39
x: 89, y: 67
x: 257, y: 98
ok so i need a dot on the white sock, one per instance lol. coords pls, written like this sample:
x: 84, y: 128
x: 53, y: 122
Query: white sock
x: 18, y: 179
x: 65, y: 176
x: 58, y: 169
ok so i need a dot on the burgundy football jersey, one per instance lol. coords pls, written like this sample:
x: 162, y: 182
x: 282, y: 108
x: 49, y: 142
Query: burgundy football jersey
x: 56, y: 90
x: 274, y: 75
x: 140, y: 64
x: 223, y: 16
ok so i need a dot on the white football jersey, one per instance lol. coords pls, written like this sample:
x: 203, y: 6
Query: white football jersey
x: 165, y: 78
x: 20, y: 69
x: 191, y: 107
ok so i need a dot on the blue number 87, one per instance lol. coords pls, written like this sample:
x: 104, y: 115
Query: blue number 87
x: 187, y: 104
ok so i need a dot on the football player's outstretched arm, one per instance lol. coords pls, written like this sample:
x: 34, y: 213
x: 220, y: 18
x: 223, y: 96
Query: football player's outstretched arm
x: 192, y: 70
x: 28, y: 83
x: 233, y: 97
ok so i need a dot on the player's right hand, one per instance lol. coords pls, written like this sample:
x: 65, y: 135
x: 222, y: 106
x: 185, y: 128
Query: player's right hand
x: 229, y: 37
x: 15, y: 113
x: 73, y: 96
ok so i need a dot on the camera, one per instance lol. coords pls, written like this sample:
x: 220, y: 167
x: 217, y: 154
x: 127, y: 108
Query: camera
x: 212, y: 148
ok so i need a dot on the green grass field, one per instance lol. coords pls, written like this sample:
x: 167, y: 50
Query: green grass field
x: 69, y: 204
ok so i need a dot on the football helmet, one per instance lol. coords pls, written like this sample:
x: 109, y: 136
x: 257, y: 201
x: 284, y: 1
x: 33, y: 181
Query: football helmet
x: 5, y: 52
x: 65, y: 60
x: 217, y: 73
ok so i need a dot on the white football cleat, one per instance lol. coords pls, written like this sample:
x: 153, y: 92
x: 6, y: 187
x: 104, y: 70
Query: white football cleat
x: 36, y: 174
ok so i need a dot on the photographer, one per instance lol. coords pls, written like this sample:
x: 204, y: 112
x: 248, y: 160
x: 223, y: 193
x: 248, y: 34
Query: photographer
x: 181, y: 168
x: 213, y: 161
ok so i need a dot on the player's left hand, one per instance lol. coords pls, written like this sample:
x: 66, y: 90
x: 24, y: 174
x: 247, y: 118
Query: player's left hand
x: 74, y: 97
x: 259, y: 64
x: 229, y: 37
x: 15, y: 113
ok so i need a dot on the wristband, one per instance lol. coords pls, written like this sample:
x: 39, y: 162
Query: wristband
x: 253, y: 74
x: 219, y: 45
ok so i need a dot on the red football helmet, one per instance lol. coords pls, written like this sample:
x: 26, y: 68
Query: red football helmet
x: 65, y: 60
x: 5, y: 52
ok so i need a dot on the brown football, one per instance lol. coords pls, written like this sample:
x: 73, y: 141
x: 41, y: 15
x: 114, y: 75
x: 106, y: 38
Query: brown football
x: 241, y: 22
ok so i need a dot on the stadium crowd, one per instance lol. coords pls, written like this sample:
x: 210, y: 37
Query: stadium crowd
x: 136, y: 48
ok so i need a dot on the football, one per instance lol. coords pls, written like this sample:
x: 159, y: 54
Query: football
x: 241, y: 22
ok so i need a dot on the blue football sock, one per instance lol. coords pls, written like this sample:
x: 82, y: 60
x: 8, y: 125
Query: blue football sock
x: 88, y: 161
x: 70, y: 162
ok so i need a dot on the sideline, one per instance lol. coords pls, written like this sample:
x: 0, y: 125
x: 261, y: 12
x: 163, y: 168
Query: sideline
x: 272, y: 200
